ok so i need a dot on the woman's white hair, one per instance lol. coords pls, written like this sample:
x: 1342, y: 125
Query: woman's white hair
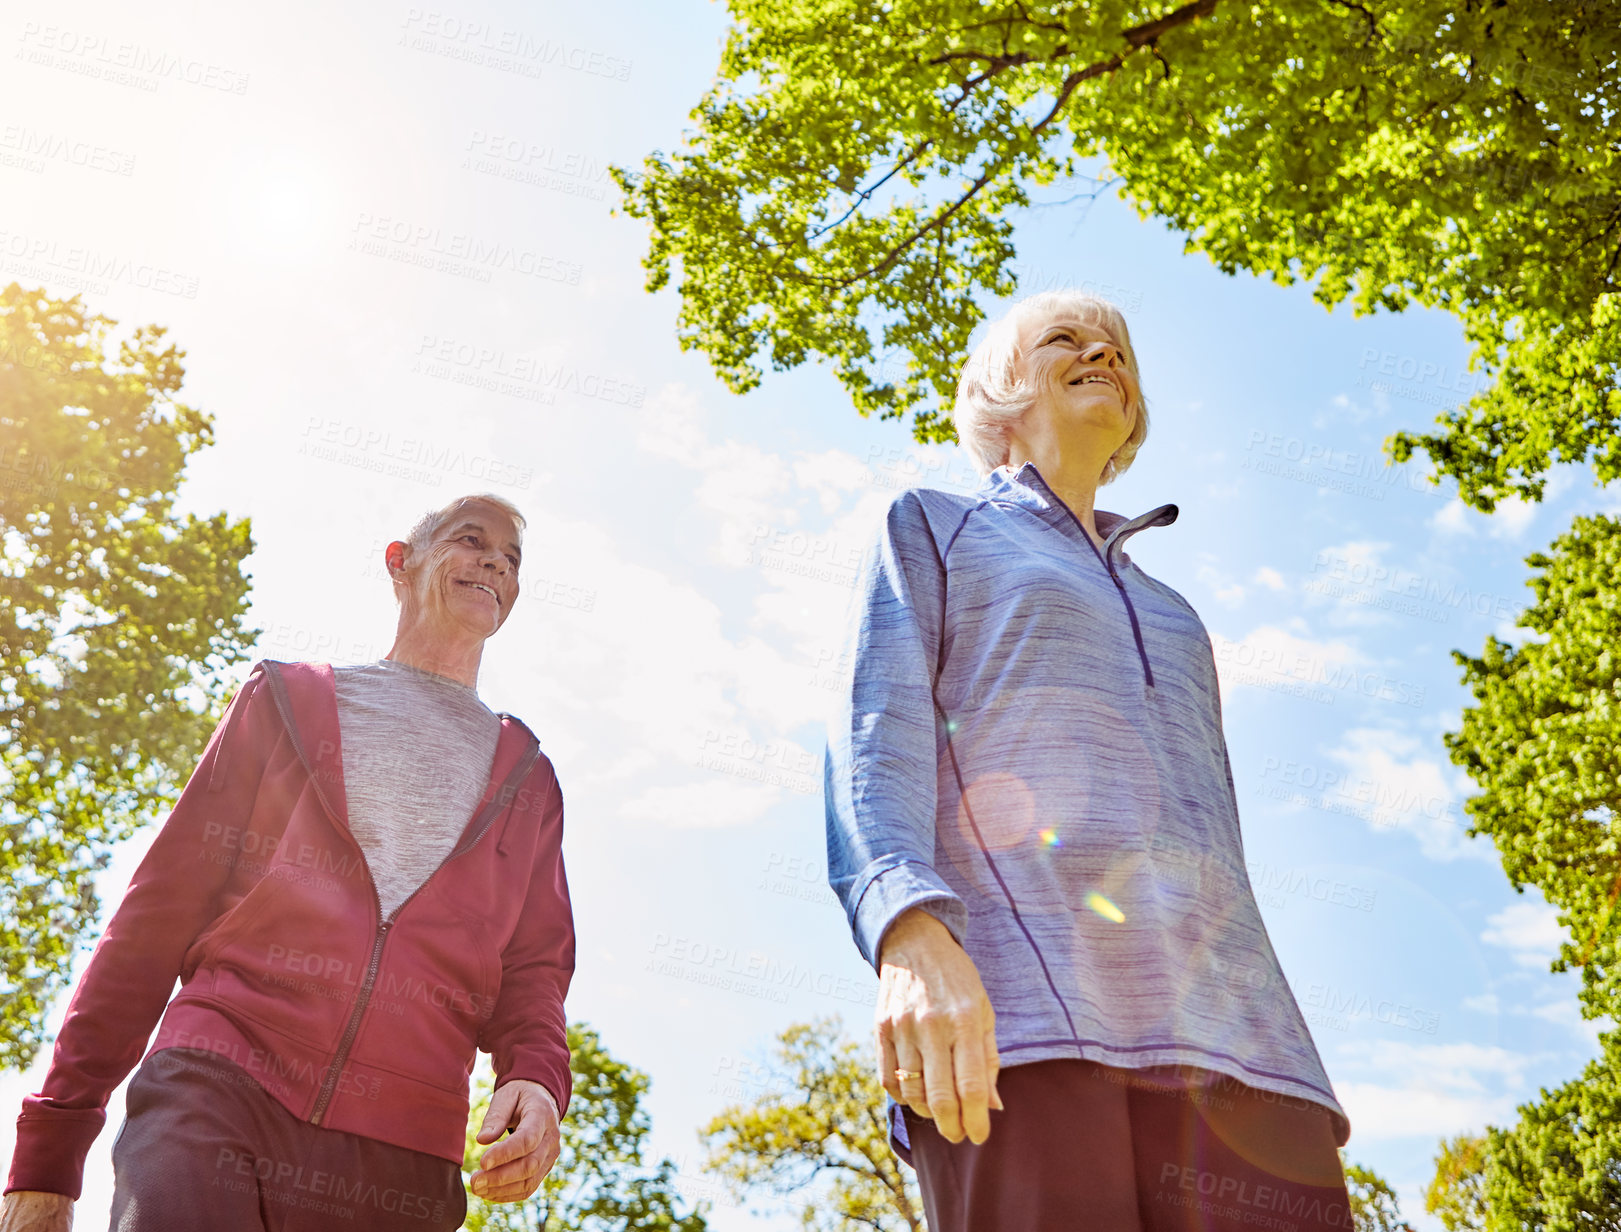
x: 992, y: 397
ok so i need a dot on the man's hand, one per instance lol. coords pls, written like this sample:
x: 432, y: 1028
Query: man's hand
x: 513, y: 1168
x: 934, y: 1018
x: 30, y: 1210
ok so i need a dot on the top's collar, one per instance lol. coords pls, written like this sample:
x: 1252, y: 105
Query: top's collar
x: 1025, y: 487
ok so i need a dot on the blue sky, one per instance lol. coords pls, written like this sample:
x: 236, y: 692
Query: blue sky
x: 309, y: 201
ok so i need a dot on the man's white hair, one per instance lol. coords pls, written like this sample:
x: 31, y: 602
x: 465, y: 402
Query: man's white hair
x: 992, y: 398
x: 429, y: 524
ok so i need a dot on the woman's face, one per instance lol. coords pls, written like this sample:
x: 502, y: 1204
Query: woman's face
x: 1083, y: 384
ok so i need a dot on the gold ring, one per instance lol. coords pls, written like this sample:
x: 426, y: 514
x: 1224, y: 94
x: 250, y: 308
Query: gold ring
x: 904, y: 1074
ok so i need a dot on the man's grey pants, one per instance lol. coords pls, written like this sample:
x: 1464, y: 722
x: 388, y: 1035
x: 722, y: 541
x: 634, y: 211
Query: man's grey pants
x: 204, y: 1148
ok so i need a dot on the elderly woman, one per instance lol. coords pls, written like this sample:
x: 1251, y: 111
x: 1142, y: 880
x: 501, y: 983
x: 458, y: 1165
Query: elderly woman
x: 1033, y: 830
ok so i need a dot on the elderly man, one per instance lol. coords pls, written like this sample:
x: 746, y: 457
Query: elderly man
x: 361, y: 885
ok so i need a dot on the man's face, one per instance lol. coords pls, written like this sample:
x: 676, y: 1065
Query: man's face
x: 467, y: 579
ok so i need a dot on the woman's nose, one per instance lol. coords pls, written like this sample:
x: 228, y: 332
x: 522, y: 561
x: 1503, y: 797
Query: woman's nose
x: 1102, y: 353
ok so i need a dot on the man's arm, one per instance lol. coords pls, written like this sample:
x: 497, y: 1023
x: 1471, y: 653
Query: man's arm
x: 122, y: 994
x: 527, y: 1034
x: 29, y: 1210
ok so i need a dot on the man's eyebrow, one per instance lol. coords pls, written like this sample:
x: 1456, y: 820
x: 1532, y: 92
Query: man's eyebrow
x: 475, y: 524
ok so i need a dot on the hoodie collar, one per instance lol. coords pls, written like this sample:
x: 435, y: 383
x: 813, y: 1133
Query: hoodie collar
x: 1027, y: 489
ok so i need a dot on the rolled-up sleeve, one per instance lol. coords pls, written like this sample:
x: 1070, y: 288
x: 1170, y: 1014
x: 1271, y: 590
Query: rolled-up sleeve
x: 882, y: 758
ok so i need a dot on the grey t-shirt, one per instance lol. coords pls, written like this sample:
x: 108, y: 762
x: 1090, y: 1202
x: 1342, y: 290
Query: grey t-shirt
x: 417, y: 752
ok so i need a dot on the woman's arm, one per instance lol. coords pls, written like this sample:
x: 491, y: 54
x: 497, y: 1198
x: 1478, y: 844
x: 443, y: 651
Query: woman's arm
x: 882, y: 763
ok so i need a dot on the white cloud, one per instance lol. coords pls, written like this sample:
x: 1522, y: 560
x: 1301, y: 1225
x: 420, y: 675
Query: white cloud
x: 1452, y: 519
x: 1270, y: 578
x: 1485, y: 1003
x: 1270, y: 657
x: 1529, y: 931
x: 1429, y: 1090
x: 1224, y: 589
x: 1391, y: 783
x: 1512, y: 517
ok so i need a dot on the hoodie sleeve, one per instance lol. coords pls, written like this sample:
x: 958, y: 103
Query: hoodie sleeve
x: 122, y: 993
x: 882, y: 757
x: 527, y: 1035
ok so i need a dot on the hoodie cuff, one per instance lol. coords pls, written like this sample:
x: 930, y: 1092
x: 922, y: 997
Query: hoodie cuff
x: 893, y: 893
x: 50, y: 1152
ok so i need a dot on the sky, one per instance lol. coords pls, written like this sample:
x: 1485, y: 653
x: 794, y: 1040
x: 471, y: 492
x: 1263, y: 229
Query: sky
x: 385, y: 237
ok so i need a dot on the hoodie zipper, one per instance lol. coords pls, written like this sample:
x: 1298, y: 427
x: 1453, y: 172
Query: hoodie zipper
x: 493, y: 809
x: 501, y: 799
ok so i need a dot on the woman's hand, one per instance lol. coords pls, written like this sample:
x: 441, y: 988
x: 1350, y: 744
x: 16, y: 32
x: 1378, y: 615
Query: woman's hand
x: 29, y: 1210
x: 935, y: 1019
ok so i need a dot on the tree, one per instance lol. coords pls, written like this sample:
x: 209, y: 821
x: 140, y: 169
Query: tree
x: 849, y: 187
x: 1542, y: 742
x: 1457, y: 1195
x: 1559, y: 1168
x: 120, y: 621
x: 1374, y: 1206
x: 600, y: 1182
x: 822, y: 1134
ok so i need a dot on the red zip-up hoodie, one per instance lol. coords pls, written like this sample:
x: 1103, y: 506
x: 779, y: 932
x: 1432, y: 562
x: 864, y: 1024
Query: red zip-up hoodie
x: 257, y: 898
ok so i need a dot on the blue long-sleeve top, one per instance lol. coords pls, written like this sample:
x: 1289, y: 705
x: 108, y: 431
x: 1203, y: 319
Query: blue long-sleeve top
x: 1030, y: 748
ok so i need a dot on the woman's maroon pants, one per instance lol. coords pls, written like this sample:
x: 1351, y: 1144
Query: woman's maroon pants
x: 1088, y: 1146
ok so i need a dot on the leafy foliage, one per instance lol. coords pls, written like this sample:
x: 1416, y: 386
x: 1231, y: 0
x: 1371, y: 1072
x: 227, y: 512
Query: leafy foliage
x: 1374, y: 1206
x: 120, y: 620
x: 1543, y: 743
x: 1457, y: 1194
x: 850, y: 185
x: 1559, y: 1169
x: 823, y: 1133
x: 600, y: 1182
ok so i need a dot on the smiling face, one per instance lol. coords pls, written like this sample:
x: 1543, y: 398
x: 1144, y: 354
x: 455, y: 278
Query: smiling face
x: 1082, y: 381
x: 464, y: 582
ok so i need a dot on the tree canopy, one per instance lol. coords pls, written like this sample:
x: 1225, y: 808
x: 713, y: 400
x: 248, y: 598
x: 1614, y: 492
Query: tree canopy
x: 850, y: 186
x: 821, y: 1136
x: 120, y: 621
x: 1542, y: 742
x: 600, y: 1182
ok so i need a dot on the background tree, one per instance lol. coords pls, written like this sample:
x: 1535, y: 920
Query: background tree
x: 850, y: 186
x: 1542, y: 741
x: 600, y: 1182
x: 120, y: 621
x: 821, y: 1136
x: 1457, y: 1194
x: 1374, y: 1205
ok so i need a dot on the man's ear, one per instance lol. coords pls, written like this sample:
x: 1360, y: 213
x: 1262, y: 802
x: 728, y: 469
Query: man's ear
x: 394, y: 557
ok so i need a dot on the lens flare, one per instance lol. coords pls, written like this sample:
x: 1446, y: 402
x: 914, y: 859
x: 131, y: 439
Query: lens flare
x: 1105, y: 908
x: 1049, y: 838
